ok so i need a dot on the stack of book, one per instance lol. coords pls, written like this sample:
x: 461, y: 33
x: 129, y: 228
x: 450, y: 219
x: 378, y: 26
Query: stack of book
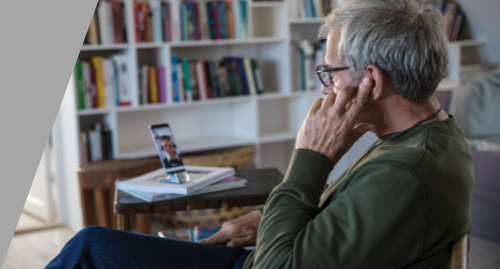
x: 108, y: 24
x: 308, y: 9
x: 213, y: 20
x: 199, y: 79
x: 152, y: 84
x: 96, y: 144
x: 98, y: 79
x: 306, y: 56
x: 153, y: 21
x: 202, y: 180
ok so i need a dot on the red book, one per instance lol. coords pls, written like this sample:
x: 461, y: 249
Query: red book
x: 197, y: 21
x: 93, y: 89
x: 216, y: 19
x: 136, y: 22
x: 116, y: 19
x: 205, y: 79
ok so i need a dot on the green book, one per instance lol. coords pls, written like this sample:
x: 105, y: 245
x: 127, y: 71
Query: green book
x: 257, y: 76
x: 80, y: 88
x: 187, y: 80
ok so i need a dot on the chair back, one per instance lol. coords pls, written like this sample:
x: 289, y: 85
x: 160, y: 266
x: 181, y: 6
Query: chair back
x: 460, y: 253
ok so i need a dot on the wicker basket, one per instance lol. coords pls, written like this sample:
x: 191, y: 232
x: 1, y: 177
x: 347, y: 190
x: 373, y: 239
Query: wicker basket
x: 240, y: 158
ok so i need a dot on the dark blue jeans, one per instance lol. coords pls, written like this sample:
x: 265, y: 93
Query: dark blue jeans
x: 98, y: 247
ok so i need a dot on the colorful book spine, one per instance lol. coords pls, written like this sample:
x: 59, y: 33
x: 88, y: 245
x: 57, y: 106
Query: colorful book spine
x: 185, y: 22
x: 80, y: 87
x: 216, y: 20
x: 175, y: 79
x: 211, y: 20
x: 230, y: 19
x: 99, y: 81
x: 153, y: 86
x: 162, y: 87
x: 257, y: 76
x: 196, y: 21
x: 167, y: 23
x: 187, y: 80
x: 223, y: 24
x: 156, y: 19
x: 244, y: 21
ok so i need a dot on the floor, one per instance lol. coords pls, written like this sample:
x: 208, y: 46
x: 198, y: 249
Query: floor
x: 37, y: 249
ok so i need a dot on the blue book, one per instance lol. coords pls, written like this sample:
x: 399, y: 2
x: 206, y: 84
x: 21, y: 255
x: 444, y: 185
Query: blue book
x: 242, y: 74
x: 243, y: 14
x: 211, y: 20
x: 308, y: 9
x: 223, y: 25
x: 175, y: 79
x: 184, y: 19
x: 117, y: 86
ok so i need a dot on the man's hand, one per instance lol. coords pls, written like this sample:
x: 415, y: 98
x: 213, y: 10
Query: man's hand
x: 237, y: 233
x: 329, y: 126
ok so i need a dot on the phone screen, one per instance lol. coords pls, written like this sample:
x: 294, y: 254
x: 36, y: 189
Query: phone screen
x: 169, y: 153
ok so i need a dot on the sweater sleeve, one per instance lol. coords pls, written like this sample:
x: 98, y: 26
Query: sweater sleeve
x: 381, y: 211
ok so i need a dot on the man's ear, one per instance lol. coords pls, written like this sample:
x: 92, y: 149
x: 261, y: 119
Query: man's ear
x: 378, y: 80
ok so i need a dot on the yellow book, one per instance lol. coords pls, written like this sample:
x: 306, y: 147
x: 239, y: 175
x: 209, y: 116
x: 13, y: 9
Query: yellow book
x: 92, y: 32
x: 99, y: 81
x: 153, y: 86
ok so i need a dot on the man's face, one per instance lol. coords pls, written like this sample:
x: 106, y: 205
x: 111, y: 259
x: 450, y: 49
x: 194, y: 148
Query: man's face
x: 168, y: 147
x: 343, y: 78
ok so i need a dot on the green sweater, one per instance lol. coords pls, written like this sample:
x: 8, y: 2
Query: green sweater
x: 403, y: 206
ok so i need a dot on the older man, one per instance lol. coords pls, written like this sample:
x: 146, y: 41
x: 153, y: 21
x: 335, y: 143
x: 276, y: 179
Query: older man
x: 401, y: 204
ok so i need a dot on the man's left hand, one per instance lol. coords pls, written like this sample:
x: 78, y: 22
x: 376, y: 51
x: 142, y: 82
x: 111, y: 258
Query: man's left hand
x: 329, y: 126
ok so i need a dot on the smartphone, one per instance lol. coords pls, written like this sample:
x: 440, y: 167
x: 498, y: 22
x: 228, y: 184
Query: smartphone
x: 169, y: 154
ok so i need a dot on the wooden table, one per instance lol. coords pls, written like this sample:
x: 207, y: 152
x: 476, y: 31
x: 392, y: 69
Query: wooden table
x: 260, y: 183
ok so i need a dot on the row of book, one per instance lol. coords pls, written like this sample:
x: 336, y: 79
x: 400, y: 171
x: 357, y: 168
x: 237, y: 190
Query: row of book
x: 201, y: 20
x: 98, y: 79
x: 96, y: 144
x: 200, y: 79
x: 153, y: 21
x: 153, y: 87
x: 108, y: 24
x: 306, y: 56
x: 307, y: 9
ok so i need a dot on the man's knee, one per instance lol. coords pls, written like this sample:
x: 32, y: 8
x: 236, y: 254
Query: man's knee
x: 91, y: 232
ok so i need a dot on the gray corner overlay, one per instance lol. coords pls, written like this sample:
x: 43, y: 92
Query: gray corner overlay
x: 40, y: 43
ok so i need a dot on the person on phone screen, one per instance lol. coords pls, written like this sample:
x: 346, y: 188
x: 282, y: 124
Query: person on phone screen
x: 402, y: 203
x: 172, y: 159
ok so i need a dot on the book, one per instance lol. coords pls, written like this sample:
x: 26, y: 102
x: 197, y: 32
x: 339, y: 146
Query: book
x: 156, y: 20
x: 124, y: 92
x: 153, y: 86
x: 80, y: 88
x: 144, y: 79
x: 257, y: 76
x: 225, y: 184
x: 200, y: 177
x: 175, y: 79
x: 99, y: 81
x: 162, y: 87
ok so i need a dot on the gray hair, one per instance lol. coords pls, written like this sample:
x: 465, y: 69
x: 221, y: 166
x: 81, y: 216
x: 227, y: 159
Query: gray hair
x: 404, y: 38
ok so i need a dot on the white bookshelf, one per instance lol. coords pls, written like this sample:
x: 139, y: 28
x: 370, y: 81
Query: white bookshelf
x: 261, y: 120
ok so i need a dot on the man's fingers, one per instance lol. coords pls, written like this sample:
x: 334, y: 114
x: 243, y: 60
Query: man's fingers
x: 240, y: 242
x: 329, y: 100
x: 218, y: 238
x: 365, y: 88
x: 344, y: 96
x: 316, y: 105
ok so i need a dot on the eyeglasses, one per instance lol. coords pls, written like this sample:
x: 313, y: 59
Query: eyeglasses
x: 325, y: 73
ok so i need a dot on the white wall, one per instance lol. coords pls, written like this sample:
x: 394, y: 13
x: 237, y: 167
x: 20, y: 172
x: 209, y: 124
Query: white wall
x: 483, y: 19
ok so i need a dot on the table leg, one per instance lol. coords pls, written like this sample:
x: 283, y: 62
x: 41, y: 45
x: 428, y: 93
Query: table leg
x: 143, y: 223
x: 123, y: 222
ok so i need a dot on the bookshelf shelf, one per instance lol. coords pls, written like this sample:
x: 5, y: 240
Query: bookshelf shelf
x: 272, y: 137
x: 266, y: 4
x: 151, y: 45
x: 279, y: 95
x: 105, y: 47
x: 223, y: 42
x: 307, y: 21
x: 90, y: 112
